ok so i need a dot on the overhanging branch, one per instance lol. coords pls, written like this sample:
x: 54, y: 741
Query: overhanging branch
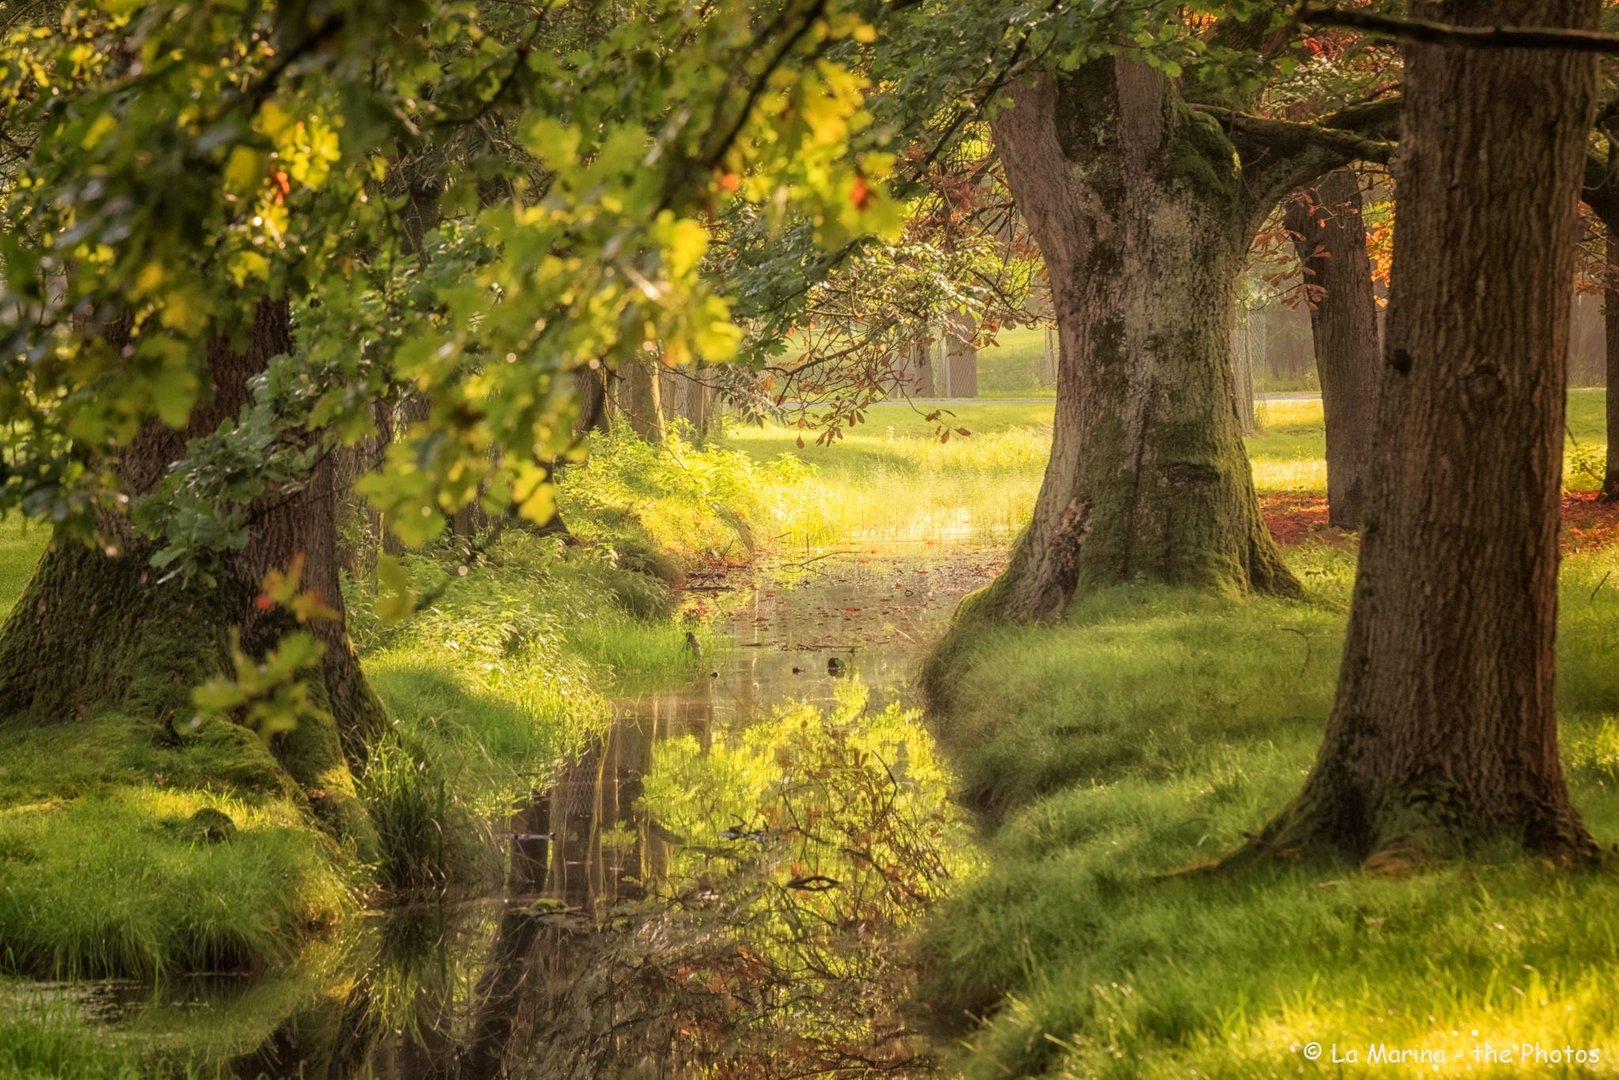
x: 1272, y: 137
x: 1430, y: 32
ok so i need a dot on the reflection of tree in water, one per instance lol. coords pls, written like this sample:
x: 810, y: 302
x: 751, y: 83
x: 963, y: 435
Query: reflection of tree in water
x: 810, y: 844
x: 680, y: 902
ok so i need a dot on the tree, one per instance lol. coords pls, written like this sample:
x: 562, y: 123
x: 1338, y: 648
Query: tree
x: 1444, y: 728
x: 211, y: 293
x: 1330, y: 237
x: 1144, y: 196
x: 1610, y: 347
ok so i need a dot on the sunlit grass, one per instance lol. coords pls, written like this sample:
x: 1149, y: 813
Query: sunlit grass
x: 893, y: 479
x: 21, y: 541
x: 1152, y: 731
x: 103, y: 872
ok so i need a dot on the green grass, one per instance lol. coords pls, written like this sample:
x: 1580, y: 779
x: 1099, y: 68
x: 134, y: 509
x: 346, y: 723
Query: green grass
x: 1151, y: 731
x: 103, y: 873
x: 1289, y: 451
x: 1011, y: 367
x: 45, y: 1042
x: 20, y: 544
x: 893, y: 479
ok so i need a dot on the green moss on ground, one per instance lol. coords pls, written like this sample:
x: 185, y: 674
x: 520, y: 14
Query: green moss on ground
x: 114, y: 859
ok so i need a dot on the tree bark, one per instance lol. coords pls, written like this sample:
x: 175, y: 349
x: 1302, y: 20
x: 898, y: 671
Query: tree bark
x: 1144, y: 223
x: 961, y: 357
x: 640, y: 398
x: 1444, y: 730
x: 918, y: 377
x: 98, y: 629
x: 1610, y: 324
x: 1330, y: 237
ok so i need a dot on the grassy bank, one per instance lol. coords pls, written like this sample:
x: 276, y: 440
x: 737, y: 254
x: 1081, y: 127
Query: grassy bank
x: 116, y: 858
x: 1151, y: 731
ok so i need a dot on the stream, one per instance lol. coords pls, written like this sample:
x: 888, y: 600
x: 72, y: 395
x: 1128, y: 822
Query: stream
x: 719, y: 886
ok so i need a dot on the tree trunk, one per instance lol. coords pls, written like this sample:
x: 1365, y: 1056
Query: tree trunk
x: 1141, y: 216
x: 919, y: 368
x: 640, y: 399
x: 1610, y: 323
x: 97, y: 629
x: 1242, y: 369
x: 1331, y: 241
x: 1444, y: 730
x: 961, y: 358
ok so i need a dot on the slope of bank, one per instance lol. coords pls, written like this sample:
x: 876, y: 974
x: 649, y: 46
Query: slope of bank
x: 1150, y: 732
x: 133, y: 847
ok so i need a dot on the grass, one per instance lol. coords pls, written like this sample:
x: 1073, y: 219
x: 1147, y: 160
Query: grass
x: 1154, y: 729
x: 47, y: 1042
x: 1012, y: 366
x: 103, y: 872
x: 107, y: 865
x: 893, y: 479
x: 20, y: 544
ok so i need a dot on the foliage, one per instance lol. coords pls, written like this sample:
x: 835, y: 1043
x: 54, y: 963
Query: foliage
x: 810, y: 845
x: 272, y: 695
x: 173, y: 173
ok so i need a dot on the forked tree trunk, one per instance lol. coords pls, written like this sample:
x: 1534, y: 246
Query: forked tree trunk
x: 1330, y: 237
x: 1142, y: 219
x: 1444, y: 730
x: 1610, y: 324
x: 96, y: 630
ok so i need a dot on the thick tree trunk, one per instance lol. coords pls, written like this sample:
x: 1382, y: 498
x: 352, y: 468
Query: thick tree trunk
x: 1610, y: 323
x: 1331, y: 241
x: 1444, y: 730
x: 97, y: 629
x: 1142, y: 219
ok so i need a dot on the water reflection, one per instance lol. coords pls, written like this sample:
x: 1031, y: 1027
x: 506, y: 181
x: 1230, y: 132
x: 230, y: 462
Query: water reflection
x: 719, y: 887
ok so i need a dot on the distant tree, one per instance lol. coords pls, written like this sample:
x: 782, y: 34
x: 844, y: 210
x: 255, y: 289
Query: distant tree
x: 1330, y: 237
x: 1444, y: 730
x: 1610, y: 348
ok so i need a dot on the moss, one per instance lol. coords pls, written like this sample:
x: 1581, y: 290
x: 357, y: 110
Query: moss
x: 1199, y: 158
x: 94, y: 631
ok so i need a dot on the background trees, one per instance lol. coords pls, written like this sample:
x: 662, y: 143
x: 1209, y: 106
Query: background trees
x: 1330, y: 236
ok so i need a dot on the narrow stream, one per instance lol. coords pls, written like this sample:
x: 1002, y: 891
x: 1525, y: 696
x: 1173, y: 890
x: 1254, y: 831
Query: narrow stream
x: 719, y: 887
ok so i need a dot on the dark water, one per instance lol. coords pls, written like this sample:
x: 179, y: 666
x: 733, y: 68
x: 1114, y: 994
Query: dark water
x: 720, y: 887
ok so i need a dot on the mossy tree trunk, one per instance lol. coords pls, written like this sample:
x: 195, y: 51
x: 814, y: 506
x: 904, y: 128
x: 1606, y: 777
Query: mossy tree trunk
x: 99, y: 629
x: 1330, y: 237
x: 1144, y: 217
x: 1444, y: 730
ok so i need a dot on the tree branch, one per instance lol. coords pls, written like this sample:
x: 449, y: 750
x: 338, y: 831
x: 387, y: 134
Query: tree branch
x: 1427, y: 31
x: 1279, y: 156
